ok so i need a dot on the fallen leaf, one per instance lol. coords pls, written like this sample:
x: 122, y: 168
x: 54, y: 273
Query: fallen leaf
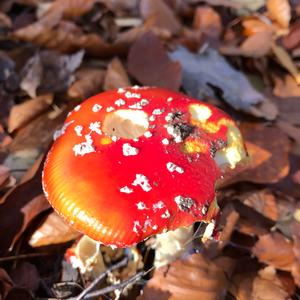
x: 296, y: 177
x: 289, y: 109
x: 71, y: 9
x: 254, y: 25
x: 267, y: 286
x: 32, y: 76
x: 268, y: 150
x: 4, y: 174
x: 149, y: 63
x: 241, y: 286
x: 286, y: 61
x: 275, y: 250
x: 157, y: 13
x: 88, y: 82
x: 286, y: 87
x: 292, y: 39
x: 205, y: 70
x: 5, y: 284
x: 50, y: 71
x: 19, y: 206
x: 116, y: 76
x: 53, y: 231
x: 208, y: 21
x: 296, y: 250
x: 280, y: 11
x: 257, y: 45
x: 26, y: 276
x: 289, y: 129
x: 262, y: 201
x: 180, y: 280
x: 23, y: 113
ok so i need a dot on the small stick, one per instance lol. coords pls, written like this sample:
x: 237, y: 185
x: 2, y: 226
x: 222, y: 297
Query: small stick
x: 120, y: 264
x: 111, y: 288
x: 22, y: 256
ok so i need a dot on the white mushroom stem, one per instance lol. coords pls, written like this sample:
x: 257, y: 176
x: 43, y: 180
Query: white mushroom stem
x: 173, y: 244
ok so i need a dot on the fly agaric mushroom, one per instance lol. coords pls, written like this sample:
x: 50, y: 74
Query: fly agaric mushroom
x: 135, y: 162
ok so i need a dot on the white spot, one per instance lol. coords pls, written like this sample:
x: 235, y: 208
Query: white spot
x: 77, y: 108
x: 60, y: 132
x: 126, y: 190
x: 128, y: 150
x: 140, y: 104
x: 136, y: 226
x: 109, y: 109
x: 166, y: 215
x: 136, y: 87
x: 120, y: 102
x: 84, y: 147
x: 169, y: 99
x: 142, y: 181
x: 147, y: 134
x: 141, y: 205
x: 165, y: 141
x: 95, y: 127
x: 114, y: 138
x: 158, y: 111
x: 172, y: 167
x: 121, y: 90
x: 204, y: 210
x: 154, y: 227
x: 200, y: 112
x: 129, y: 95
x: 78, y: 129
x: 152, y: 118
x: 168, y: 117
x: 158, y: 205
x: 96, y: 107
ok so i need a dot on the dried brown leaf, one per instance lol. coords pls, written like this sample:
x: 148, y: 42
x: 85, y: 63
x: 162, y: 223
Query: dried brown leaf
x: 23, y: 113
x: 255, y: 25
x: 208, y: 21
x: 71, y: 8
x: 267, y: 286
x: 280, y: 11
x: 268, y: 150
x: 257, y: 45
x: 116, y: 76
x: 288, y: 128
x: 149, y: 63
x: 5, y: 284
x: 20, y: 205
x: 53, y: 231
x: 286, y: 87
x: 32, y: 76
x: 4, y: 175
x: 241, y: 286
x: 88, y: 83
x: 38, y: 132
x: 286, y: 61
x: 26, y: 276
x: 180, y: 280
x: 296, y: 249
x: 263, y: 202
x: 292, y: 39
x: 157, y: 13
x: 289, y: 109
x: 275, y: 250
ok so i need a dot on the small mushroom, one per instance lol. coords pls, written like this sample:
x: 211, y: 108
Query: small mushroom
x: 135, y: 162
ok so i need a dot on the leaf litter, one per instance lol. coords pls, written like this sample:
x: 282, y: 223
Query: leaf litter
x: 240, y: 55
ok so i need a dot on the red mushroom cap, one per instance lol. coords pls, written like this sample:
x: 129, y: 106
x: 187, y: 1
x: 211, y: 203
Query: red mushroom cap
x: 135, y: 162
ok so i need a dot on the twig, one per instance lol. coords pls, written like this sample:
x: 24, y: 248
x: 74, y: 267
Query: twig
x: 120, y: 264
x: 22, y: 256
x: 114, y: 287
x: 118, y: 286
